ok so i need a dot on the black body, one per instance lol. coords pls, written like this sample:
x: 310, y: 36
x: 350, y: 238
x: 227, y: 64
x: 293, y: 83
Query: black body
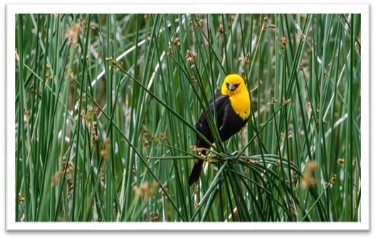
x: 228, y: 123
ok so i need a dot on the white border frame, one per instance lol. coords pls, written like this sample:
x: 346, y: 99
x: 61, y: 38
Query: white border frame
x: 235, y: 7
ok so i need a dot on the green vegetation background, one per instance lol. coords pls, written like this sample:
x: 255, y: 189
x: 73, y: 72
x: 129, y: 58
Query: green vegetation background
x: 106, y: 107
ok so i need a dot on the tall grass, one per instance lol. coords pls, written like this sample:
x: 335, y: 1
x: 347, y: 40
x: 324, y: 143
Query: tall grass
x: 106, y: 107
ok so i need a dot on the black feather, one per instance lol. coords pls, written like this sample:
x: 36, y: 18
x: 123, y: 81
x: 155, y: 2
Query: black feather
x: 228, y: 123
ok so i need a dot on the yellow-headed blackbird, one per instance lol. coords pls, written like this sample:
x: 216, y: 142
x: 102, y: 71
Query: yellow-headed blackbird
x: 233, y: 106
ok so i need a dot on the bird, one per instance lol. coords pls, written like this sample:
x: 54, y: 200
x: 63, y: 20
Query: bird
x: 233, y: 107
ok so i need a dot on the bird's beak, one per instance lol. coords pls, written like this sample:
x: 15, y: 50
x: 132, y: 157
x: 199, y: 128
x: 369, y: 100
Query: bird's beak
x: 231, y: 87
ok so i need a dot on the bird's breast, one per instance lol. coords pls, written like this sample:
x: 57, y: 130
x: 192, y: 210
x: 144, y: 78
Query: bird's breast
x: 241, y: 104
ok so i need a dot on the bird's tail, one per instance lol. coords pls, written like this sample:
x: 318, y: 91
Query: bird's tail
x: 195, y: 173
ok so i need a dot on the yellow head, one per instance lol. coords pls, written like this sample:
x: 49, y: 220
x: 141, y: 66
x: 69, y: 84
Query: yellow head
x: 234, y: 86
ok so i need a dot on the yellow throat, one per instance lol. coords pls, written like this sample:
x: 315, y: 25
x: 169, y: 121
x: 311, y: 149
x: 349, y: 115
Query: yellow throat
x: 234, y: 86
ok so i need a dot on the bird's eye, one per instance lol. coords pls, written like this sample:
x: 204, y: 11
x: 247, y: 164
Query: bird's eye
x: 232, y: 86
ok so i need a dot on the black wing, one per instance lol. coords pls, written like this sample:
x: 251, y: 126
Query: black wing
x: 228, y: 123
x: 221, y: 103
